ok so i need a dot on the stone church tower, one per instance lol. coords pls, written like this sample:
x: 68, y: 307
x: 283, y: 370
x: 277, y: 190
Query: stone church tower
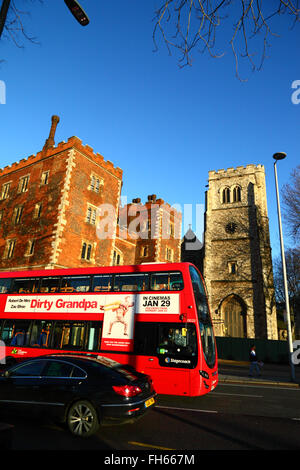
x: 237, y: 254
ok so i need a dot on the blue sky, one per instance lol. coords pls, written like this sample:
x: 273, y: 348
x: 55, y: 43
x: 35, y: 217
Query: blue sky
x: 165, y: 126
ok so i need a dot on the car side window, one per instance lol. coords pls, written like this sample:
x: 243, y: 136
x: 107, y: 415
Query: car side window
x: 58, y: 369
x: 78, y: 372
x: 32, y: 369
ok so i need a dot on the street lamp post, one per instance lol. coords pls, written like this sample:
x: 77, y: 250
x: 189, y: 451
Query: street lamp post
x: 3, y: 14
x: 280, y: 156
x: 78, y: 12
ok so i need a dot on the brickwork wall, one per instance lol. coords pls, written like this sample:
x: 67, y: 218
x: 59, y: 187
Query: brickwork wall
x: 61, y: 227
x: 41, y: 228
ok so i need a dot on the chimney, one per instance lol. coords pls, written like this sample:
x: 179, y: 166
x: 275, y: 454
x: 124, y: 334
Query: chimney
x: 152, y: 198
x: 50, y: 141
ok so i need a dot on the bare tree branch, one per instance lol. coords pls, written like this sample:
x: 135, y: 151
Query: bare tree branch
x: 186, y: 24
x: 291, y: 200
x: 14, y: 25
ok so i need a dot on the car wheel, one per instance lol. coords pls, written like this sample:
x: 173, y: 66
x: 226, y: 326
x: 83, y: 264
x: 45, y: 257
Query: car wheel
x: 82, y: 419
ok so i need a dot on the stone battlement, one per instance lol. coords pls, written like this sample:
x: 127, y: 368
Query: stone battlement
x: 238, y: 171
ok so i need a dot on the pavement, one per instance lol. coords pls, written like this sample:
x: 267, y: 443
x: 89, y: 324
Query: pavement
x: 271, y: 374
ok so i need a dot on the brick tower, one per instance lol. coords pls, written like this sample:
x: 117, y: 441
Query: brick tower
x: 48, y: 207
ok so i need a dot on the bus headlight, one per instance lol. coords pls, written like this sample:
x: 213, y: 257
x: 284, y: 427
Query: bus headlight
x: 204, y: 374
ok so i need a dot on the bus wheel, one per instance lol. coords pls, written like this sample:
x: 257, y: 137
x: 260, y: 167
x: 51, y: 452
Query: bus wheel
x: 82, y: 419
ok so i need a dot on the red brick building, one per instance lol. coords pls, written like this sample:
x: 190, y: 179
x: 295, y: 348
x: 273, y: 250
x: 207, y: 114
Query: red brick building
x: 60, y: 208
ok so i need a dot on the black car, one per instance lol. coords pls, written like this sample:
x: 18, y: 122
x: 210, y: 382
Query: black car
x: 82, y: 391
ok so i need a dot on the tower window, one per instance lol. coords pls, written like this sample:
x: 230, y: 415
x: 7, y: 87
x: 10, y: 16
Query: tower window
x: 9, y: 249
x: 91, y: 215
x: 86, y: 251
x: 96, y: 183
x: 226, y: 196
x: 30, y: 248
x: 37, y: 211
x: 45, y: 177
x: 237, y: 194
x: 232, y: 267
x: 17, y: 214
x: 117, y: 258
x: 23, y: 184
x: 144, y: 251
x: 5, y: 190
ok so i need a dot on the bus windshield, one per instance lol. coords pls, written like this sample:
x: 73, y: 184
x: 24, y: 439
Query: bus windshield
x: 206, y: 328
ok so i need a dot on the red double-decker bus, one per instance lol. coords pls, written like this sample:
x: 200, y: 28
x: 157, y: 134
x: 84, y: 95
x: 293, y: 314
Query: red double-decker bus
x: 154, y: 317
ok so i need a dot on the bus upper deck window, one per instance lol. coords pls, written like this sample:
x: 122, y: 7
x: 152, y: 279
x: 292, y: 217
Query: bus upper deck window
x: 5, y: 285
x: 75, y: 284
x: 50, y: 284
x: 131, y: 282
x: 167, y: 281
x: 25, y: 285
x: 102, y: 283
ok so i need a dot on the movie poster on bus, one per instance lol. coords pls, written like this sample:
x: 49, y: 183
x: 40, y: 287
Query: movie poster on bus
x: 118, y: 323
x: 158, y: 303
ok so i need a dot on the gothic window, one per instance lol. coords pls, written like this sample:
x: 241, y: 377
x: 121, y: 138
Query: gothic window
x: 86, y: 251
x: 236, y: 194
x: 226, y: 196
x: 117, y: 258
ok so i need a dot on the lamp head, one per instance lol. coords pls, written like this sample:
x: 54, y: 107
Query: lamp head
x: 279, y: 156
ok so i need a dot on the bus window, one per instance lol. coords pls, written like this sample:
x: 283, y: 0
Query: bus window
x: 68, y: 335
x: 5, y: 285
x: 102, y: 283
x: 177, y: 340
x: 16, y: 332
x: 40, y: 333
x: 25, y: 286
x: 75, y: 284
x: 200, y: 296
x: 160, y: 281
x: 131, y: 282
x: 94, y: 336
x: 50, y: 284
x: 176, y: 281
x: 167, y: 281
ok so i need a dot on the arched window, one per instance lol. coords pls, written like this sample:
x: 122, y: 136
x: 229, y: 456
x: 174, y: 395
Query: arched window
x: 236, y: 194
x: 226, y: 195
x: 117, y: 258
